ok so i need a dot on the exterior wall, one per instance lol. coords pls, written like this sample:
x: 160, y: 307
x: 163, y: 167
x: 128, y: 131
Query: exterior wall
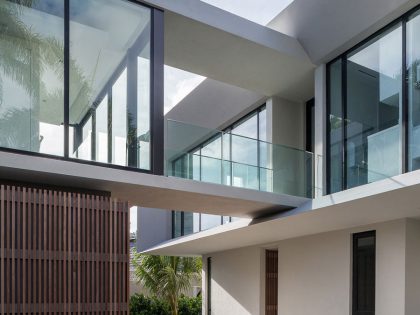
x: 62, y: 251
x: 286, y: 122
x: 315, y: 272
x: 237, y: 287
x: 154, y: 226
x: 412, y: 277
x: 286, y: 129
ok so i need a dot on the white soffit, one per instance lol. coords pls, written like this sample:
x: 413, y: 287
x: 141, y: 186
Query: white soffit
x: 208, y: 41
x: 389, y: 199
x: 327, y: 28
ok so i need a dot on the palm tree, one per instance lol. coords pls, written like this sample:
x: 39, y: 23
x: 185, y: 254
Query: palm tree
x: 167, y: 277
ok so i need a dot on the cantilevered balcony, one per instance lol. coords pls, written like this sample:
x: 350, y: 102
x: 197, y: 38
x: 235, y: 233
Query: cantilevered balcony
x: 225, y: 158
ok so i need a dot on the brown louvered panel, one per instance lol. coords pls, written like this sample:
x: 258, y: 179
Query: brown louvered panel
x: 271, y: 282
x: 62, y: 252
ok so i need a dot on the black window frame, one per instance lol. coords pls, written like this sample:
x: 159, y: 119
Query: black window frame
x: 209, y: 277
x: 403, y: 19
x: 156, y: 99
x: 355, y: 292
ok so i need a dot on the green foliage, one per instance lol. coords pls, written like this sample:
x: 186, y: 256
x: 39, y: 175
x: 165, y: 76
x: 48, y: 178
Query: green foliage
x: 189, y: 305
x: 167, y: 277
x: 142, y: 305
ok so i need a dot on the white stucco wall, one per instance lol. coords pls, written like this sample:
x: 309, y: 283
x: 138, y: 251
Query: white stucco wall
x: 286, y: 122
x: 236, y: 282
x: 412, y: 265
x: 315, y: 272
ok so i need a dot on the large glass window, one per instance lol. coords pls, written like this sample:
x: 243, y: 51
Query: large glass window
x: 109, y: 72
x: 31, y: 76
x: 185, y: 223
x: 373, y: 132
x: 335, y: 122
x: 234, y: 157
x: 413, y: 72
x: 369, y: 109
x: 110, y: 80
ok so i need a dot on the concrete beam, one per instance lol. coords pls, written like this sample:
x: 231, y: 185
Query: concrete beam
x: 146, y: 190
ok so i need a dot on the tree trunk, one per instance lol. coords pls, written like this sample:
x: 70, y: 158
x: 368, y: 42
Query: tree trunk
x: 174, y: 306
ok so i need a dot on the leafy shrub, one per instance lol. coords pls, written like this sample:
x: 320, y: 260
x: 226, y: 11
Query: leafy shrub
x: 142, y: 305
x: 189, y: 305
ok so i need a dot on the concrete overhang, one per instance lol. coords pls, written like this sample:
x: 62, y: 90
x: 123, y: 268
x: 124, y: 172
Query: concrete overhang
x: 389, y: 199
x: 327, y: 28
x: 146, y: 190
x: 208, y: 41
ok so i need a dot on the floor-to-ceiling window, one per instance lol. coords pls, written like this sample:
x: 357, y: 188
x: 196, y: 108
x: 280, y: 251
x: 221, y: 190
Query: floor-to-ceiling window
x: 31, y: 76
x: 110, y: 82
x: 413, y: 90
x: 77, y: 82
x: 374, y: 106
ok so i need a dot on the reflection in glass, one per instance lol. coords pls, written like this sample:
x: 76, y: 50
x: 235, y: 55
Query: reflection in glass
x: 31, y: 72
x: 373, y: 109
x: 413, y: 71
x: 101, y: 131
x: 247, y: 128
x: 209, y: 221
x: 229, y: 159
x: 176, y: 224
x: 335, y: 122
x: 110, y: 79
x: 119, y: 121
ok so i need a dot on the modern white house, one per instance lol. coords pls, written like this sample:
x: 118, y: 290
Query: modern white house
x: 306, y: 131
x: 291, y: 165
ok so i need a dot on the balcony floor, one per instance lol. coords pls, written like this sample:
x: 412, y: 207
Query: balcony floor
x: 147, y: 190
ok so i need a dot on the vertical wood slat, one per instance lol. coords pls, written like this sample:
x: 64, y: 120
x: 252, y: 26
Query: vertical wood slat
x: 271, y: 282
x: 62, y: 252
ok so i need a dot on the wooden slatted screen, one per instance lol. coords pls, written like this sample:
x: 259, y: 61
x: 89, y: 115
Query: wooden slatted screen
x: 271, y: 282
x: 62, y: 252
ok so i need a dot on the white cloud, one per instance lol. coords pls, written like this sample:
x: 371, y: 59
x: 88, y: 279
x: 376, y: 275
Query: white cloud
x: 178, y: 84
x: 258, y: 11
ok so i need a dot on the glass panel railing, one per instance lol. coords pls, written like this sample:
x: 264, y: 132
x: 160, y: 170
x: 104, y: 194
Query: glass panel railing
x: 213, y: 156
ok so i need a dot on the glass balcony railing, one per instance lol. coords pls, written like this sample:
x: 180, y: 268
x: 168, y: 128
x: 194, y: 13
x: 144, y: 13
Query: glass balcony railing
x: 213, y: 156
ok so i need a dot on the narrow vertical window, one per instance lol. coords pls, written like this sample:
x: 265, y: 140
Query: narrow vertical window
x: 364, y: 257
x: 209, y: 286
x: 271, y: 282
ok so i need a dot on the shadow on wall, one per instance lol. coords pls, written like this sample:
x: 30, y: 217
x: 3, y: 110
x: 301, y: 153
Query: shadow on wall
x: 236, y: 282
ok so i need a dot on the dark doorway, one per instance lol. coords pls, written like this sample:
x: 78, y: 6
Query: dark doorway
x: 364, y: 260
x: 271, y: 282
